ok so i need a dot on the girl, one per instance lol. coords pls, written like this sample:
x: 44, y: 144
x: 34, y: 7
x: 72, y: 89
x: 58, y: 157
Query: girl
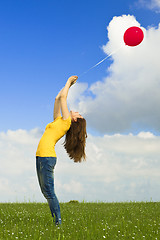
x: 74, y: 126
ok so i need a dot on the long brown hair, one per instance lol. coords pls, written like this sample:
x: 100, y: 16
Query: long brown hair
x: 75, y: 140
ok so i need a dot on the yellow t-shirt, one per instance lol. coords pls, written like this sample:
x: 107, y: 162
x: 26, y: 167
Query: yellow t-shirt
x: 53, y: 132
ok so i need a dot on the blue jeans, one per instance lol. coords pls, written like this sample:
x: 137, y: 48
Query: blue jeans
x: 45, y: 171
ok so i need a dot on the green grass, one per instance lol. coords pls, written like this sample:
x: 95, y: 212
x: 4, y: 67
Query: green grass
x: 81, y: 221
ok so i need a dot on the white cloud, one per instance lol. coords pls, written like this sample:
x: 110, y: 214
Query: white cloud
x: 17, y: 157
x: 17, y: 146
x: 128, y: 98
x: 150, y: 4
x: 118, y: 168
x: 73, y: 187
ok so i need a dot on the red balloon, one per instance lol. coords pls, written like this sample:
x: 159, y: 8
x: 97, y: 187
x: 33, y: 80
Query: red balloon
x: 133, y: 36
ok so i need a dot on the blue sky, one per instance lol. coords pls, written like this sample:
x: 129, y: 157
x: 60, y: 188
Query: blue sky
x: 42, y: 43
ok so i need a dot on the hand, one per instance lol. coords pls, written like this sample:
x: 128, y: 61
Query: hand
x: 72, y: 80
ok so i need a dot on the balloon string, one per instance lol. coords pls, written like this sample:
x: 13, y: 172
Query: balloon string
x: 100, y: 62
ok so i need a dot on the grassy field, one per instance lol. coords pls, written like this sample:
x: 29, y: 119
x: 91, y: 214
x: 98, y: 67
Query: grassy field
x: 81, y: 221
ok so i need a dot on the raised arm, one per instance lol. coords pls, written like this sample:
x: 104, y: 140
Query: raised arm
x: 61, y: 99
x: 57, y: 108
x: 69, y: 83
x: 63, y: 96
